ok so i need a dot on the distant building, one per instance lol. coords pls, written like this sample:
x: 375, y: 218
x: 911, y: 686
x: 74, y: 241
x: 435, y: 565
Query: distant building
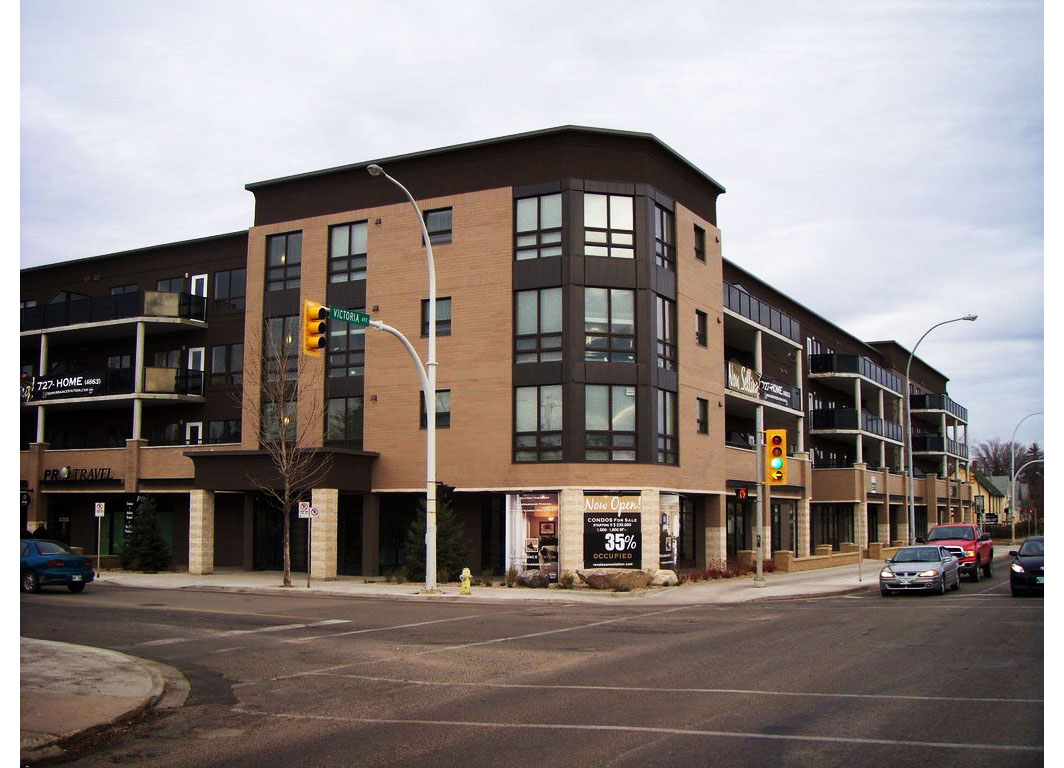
x: 597, y: 355
x: 989, y: 501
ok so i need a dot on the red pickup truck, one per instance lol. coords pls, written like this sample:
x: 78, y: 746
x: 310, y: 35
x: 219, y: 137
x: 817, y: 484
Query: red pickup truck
x: 973, y: 548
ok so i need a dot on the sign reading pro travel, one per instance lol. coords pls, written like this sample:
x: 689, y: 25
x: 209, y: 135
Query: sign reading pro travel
x: 612, y: 532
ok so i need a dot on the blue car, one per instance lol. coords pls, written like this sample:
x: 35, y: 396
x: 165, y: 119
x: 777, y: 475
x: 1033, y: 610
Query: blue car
x: 51, y: 562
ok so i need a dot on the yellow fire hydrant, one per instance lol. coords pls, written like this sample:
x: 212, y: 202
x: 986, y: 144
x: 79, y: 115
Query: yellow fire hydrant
x: 467, y: 580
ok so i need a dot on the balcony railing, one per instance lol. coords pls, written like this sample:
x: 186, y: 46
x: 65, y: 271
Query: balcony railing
x: 120, y: 306
x: 835, y: 363
x: 114, y: 381
x: 761, y: 313
x: 847, y: 418
x: 940, y: 402
x: 939, y: 444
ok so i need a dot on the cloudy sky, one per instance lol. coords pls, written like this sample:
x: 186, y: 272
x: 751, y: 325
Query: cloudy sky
x: 883, y: 160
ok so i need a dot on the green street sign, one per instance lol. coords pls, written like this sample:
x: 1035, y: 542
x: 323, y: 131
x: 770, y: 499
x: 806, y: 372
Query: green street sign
x: 353, y: 316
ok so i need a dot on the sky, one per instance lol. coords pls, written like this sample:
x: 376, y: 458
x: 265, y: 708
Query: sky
x: 883, y: 161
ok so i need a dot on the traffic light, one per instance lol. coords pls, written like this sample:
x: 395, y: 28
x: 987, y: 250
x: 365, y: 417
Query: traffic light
x: 776, y: 456
x: 314, y: 328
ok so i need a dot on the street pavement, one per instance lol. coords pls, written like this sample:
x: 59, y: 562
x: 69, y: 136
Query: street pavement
x: 69, y: 692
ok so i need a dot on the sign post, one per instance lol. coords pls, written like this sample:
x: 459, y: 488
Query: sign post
x: 100, y: 511
x: 308, y: 512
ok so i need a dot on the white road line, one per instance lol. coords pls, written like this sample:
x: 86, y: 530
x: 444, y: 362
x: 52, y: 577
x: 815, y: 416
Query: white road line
x: 384, y: 629
x: 647, y: 689
x: 227, y: 650
x: 164, y: 641
x: 649, y: 730
x: 462, y: 646
x: 231, y: 632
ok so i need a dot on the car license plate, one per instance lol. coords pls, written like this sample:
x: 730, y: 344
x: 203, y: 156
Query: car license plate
x: 1038, y: 579
x: 906, y: 581
x: 76, y: 577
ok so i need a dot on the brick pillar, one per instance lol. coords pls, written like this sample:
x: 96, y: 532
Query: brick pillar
x: 650, y: 528
x: 804, y: 532
x: 570, y: 530
x: 903, y: 523
x: 200, y: 532
x: 371, y: 534
x: 716, y: 532
x: 323, y: 531
x: 883, y: 525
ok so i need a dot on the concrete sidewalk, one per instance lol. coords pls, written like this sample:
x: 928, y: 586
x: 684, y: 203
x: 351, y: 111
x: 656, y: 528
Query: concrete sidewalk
x: 70, y: 691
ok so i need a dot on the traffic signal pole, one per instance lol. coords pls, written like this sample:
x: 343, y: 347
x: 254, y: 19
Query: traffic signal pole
x: 759, y: 576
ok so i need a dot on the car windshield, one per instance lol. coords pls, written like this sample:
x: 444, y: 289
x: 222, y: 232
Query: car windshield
x: 952, y: 532
x: 52, y: 548
x: 1032, y: 549
x: 917, y: 555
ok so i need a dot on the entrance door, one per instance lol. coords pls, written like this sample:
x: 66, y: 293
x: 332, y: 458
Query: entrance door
x: 194, y: 433
x: 199, y: 285
x: 196, y: 356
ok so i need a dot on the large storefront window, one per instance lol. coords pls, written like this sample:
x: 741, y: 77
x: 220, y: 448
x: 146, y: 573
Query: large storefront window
x: 536, y: 533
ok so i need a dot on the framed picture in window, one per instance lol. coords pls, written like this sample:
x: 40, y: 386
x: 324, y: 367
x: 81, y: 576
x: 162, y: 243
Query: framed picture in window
x: 532, y: 546
x: 546, y: 528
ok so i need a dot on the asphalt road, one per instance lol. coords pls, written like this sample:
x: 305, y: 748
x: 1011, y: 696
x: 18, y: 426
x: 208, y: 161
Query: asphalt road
x: 849, y: 680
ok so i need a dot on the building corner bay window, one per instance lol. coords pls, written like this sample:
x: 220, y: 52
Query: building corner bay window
x: 609, y: 423
x: 538, y: 227
x: 664, y: 239
x: 665, y: 320
x: 538, y: 326
x: 609, y: 325
x: 538, y: 423
x: 609, y: 226
x: 667, y: 427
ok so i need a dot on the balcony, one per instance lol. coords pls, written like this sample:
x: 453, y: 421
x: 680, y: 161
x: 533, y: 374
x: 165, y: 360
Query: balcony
x: 939, y: 444
x: 101, y: 309
x: 940, y: 402
x: 111, y: 382
x: 744, y: 304
x: 850, y: 420
x: 855, y: 365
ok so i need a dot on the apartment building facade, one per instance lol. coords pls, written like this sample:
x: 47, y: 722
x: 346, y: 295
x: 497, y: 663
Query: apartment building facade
x: 602, y: 375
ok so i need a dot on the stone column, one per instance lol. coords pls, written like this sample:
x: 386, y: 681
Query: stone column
x: 42, y: 369
x: 570, y: 530
x: 323, y: 531
x: 716, y: 531
x: 138, y: 382
x: 883, y: 527
x: 799, y: 443
x: 804, y: 531
x: 200, y: 532
x: 650, y: 506
x: 859, y: 455
x: 371, y: 534
x: 902, y: 512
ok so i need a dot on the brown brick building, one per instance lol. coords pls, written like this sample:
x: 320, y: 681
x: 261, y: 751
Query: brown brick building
x: 602, y: 373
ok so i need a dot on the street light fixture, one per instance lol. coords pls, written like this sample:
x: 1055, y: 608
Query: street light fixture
x: 430, y: 393
x: 1012, y: 470
x: 909, y: 425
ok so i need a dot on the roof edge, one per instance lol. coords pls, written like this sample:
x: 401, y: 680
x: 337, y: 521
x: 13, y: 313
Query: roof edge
x: 131, y: 251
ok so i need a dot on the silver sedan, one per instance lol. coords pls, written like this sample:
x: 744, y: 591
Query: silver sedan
x: 920, y: 569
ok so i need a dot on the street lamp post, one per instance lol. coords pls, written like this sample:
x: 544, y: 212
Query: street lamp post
x: 1012, y: 470
x: 429, y: 388
x: 909, y: 425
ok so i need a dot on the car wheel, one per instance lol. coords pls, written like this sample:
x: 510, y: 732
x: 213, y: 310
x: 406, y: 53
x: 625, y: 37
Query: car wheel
x: 973, y: 575
x: 885, y: 592
x: 76, y: 588
x: 988, y: 569
x: 31, y: 582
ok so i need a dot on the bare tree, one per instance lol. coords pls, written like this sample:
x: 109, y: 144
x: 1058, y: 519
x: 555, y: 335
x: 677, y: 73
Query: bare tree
x: 285, y: 439
x: 993, y: 456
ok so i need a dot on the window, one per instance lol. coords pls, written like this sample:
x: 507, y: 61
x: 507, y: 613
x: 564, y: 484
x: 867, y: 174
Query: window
x: 230, y: 287
x: 609, y: 226
x: 664, y: 239
x: 130, y: 288
x: 438, y: 223
x: 347, y: 252
x: 347, y: 351
x: 702, y: 416
x: 609, y: 423
x: 538, y: 326
x: 117, y: 362
x: 279, y: 422
x: 666, y: 333
x: 609, y: 325
x: 443, y: 409
x: 667, y: 427
x: 538, y: 227
x: 170, y: 358
x: 700, y: 243
x: 443, y: 316
x: 280, y: 337
x: 538, y: 423
x: 223, y: 431
x: 227, y: 364
x: 700, y: 328
x: 171, y: 285
x: 27, y: 303
x: 284, y: 253
x: 343, y: 422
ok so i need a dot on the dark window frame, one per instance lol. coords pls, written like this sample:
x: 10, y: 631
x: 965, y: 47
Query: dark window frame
x: 348, y: 436
x: 117, y: 290
x: 443, y: 326
x: 700, y: 243
x: 664, y: 238
x: 231, y: 371
x: 350, y: 266
x: 611, y: 238
x: 346, y: 358
x: 702, y: 415
x: 229, y: 431
x: 170, y: 285
x: 701, y: 328
x: 665, y: 332
x: 617, y: 348
x: 538, y: 347
x: 289, y: 339
x: 541, y: 242
x: 443, y: 417
x: 434, y: 225
x: 610, y: 441
x: 540, y: 445
x: 284, y: 275
x: 224, y: 297
x: 668, y: 437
